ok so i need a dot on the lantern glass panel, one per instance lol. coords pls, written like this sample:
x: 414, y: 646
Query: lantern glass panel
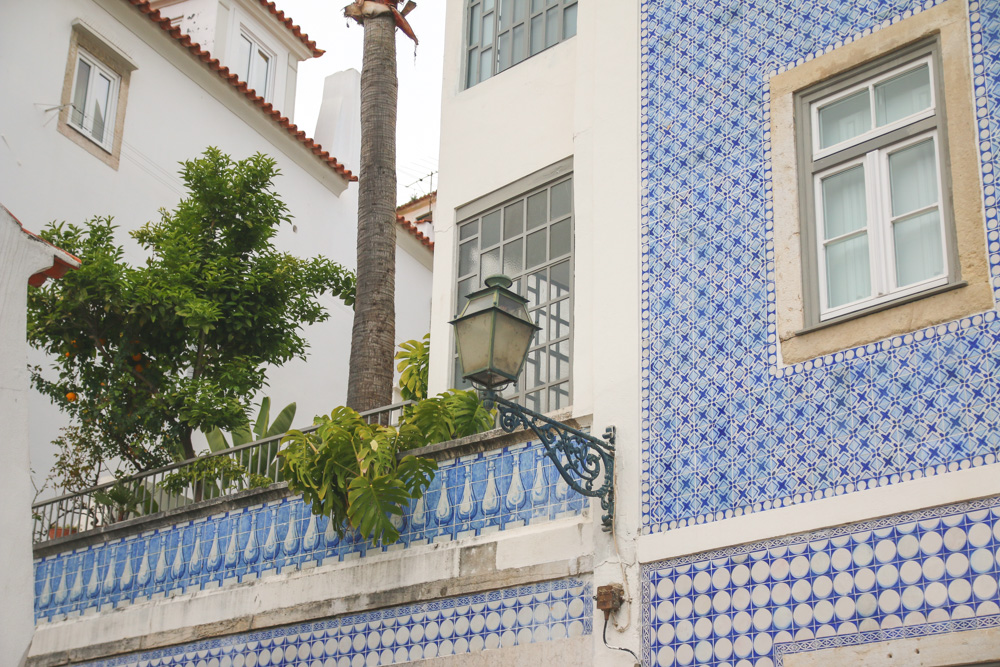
x: 475, y: 336
x: 513, y: 336
x: 478, y: 304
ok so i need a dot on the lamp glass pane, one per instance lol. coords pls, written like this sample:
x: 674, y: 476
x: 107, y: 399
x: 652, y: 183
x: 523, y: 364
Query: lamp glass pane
x: 513, y: 336
x: 474, y: 338
x: 478, y: 304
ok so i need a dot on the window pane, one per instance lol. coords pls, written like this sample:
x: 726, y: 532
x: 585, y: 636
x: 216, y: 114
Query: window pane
x: 491, y: 264
x: 560, y: 239
x: 844, y: 203
x: 490, y: 234
x: 243, y: 64
x: 536, y: 5
x: 561, y: 199
x: 848, y: 276
x: 913, y: 178
x: 559, y: 361
x: 513, y: 220
x: 558, y: 319
x: 506, y: 13
x: 468, y: 229
x: 518, y: 46
x: 472, y: 69
x: 903, y: 96
x: 458, y: 382
x: 80, y: 92
x: 534, y: 369
x: 488, y: 5
x: 468, y: 258
x: 541, y: 318
x: 485, y: 65
x: 258, y: 72
x: 488, y: 29
x: 919, y: 255
x: 559, y: 396
x: 560, y: 280
x: 99, y: 105
x: 535, y: 401
x: 513, y: 262
x: 844, y: 119
x: 536, y: 209
x: 569, y: 21
x: 552, y: 27
x: 520, y: 9
x: 538, y: 288
x: 503, y: 51
x: 537, y: 34
x: 536, y: 249
x: 465, y: 288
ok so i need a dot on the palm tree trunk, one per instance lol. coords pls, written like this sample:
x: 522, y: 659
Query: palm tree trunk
x: 374, y: 333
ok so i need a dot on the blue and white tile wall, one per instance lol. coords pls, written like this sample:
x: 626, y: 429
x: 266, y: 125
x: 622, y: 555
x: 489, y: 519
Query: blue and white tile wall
x: 726, y: 429
x: 929, y: 572
x: 472, y: 495
x: 453, y: 626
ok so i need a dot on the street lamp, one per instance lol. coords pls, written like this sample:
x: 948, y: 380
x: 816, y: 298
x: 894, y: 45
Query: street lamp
x: 494, y: 333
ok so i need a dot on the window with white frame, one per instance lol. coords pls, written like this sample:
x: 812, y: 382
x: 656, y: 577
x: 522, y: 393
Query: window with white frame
x: 527, y: 236
x: 255, y: 64
x: 94, y: 100
x: 502, y: 33
x: 875, y: 201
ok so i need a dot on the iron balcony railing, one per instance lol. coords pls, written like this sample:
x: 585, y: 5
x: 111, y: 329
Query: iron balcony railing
x: 215, y: 475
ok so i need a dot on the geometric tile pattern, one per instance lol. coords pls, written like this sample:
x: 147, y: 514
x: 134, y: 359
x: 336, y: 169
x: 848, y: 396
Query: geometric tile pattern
x: 925, y: 572
x: 395, y: 635
x: 477, y: 494
x: 726, y: 429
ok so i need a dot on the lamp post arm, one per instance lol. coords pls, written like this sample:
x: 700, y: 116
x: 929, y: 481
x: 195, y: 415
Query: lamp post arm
x: 586, y: 463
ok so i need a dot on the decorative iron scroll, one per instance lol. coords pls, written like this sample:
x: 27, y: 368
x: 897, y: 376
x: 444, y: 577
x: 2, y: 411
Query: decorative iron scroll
x: 586, y: 463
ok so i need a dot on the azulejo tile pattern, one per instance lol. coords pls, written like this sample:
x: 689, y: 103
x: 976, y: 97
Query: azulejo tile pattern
x: 927, y: 572
x: 499, y: 619
x: 481, y: 493
x: 726, y: 429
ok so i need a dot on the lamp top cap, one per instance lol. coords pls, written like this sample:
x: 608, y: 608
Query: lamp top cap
x: 498, y: 280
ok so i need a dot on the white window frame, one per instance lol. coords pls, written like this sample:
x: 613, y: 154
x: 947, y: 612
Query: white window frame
x: 257, y: 43
x: 872, y: 149
x: 85, y: 128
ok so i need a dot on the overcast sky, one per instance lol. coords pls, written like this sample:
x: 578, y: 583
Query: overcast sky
x: 419, y: 115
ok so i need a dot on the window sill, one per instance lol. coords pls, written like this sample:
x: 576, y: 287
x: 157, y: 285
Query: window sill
x: 847, y: 317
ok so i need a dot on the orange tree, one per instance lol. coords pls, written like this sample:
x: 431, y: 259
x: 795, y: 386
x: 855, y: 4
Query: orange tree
x: 146, y: 354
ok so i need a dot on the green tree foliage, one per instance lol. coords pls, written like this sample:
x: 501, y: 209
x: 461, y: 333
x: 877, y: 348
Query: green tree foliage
x: 145, y: 355
x: 414, y: 360
x: 360, y: 474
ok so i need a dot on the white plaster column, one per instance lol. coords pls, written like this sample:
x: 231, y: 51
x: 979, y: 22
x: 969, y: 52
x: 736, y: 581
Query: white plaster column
x: 21, y: 257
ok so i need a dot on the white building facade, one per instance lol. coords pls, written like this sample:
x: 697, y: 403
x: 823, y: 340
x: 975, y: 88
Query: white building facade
x: 117, y: 95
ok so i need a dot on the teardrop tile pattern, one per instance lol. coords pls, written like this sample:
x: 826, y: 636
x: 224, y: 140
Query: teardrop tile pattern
x: 728, y: 429
x: 453, y: 626
x: 910, y: 575
x: 490, y: 491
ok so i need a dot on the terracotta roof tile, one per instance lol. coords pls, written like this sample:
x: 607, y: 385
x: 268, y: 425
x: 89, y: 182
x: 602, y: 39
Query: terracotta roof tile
x: 296, y: 30
x: 412, y: 229
x: 214, y: 65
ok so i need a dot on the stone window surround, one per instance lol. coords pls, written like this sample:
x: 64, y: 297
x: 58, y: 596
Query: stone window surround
x: 100, y: 48
x: 974, y: 294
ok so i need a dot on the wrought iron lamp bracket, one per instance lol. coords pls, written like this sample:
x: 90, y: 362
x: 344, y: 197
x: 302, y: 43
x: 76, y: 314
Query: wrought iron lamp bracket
x: 586, y: 463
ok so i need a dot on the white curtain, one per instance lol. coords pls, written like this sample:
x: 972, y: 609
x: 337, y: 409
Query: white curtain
x: 848, y: 273
x: 917, y: 238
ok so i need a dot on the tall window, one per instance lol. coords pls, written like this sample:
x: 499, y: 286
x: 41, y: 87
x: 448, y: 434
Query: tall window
x: 502, y: 33
x: 94, y: 97
x: 880, y: 226
x: 254, y: 65
x: 529, y: 238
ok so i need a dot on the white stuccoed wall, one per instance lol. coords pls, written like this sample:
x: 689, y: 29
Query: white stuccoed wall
x: 580, y: 99
x: 176, y: 108
x: 21, y: 256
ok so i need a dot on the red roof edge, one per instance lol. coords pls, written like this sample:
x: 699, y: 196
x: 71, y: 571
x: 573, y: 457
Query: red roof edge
x: 296, y: 30
x: 412, y: 229
x: 59, y: 265
x: 233, y: 80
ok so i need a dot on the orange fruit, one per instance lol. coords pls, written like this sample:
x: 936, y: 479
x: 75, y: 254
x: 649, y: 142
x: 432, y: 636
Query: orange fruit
x: 136, y: 357
x: 71, y: 396
x: 138, y: 368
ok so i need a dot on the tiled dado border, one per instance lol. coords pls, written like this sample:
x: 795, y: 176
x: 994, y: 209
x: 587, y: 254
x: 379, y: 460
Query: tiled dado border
x: 910, y: 575
x: 453, y: 626
x: 725, y: 430
x: 471, y: 495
